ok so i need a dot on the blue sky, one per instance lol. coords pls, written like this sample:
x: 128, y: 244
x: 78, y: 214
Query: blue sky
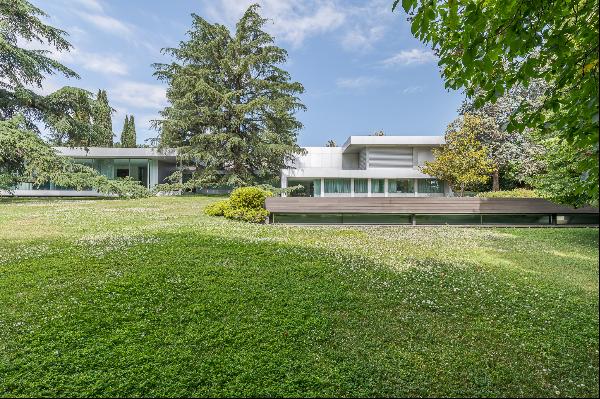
x: 362, y: 69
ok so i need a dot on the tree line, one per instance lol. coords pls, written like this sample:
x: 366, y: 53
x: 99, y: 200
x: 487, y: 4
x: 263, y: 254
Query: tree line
x: 529, y: 71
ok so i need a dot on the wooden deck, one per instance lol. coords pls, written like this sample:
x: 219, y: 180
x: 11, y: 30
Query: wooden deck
x: 420, y: 205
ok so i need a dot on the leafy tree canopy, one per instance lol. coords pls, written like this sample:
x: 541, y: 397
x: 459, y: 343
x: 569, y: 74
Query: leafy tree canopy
x: 232, y: 107
x: 489, y: 47
x: 515, y: 154
x: 463, y: 162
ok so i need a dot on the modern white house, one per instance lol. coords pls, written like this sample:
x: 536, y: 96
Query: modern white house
x: 367, y: 166
x: 147, y: 165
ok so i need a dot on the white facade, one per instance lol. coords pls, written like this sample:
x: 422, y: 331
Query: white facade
x: 368, y: 166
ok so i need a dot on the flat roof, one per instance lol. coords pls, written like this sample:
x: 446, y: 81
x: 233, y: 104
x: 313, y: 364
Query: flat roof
x: 116, y: 152
x: 355, y: 143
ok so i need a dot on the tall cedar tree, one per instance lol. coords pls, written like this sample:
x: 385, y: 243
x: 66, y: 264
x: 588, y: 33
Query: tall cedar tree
x: 66, y: 112
x: 21, y: 68
x: 102, y: 115
x: 232, y: 108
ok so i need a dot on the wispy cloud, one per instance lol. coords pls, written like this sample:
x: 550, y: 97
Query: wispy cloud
x: 93, y: 5
x: 412, y: 90
x: 367, y: 24
x: 360, y: 82
x: 290, y: 20
x: 362, y: 39
x: 414, y: 56
x: 106, y: 64
x: 139, y: 95
x: 106, y: 23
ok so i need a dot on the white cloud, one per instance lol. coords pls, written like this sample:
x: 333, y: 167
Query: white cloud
x: 414, y: 56
x: 367, y: 24
x: 412, y: 90
x: 360, y: 82
x: 362, y: 39
x: 139, y: 95
x: 107, y: 64
x: 106, y: 23
x: 290, y: 20
x: 93, y: 5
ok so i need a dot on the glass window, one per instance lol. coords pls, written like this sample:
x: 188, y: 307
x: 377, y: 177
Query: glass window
x: 401, y: 186
x: 317, y: 188
x: 337, y: 186
x: 361, y: 186
x: 430, y: 186
x: 377, y: 186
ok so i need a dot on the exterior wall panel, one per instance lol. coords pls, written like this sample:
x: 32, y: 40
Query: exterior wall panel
x: 400, y: 157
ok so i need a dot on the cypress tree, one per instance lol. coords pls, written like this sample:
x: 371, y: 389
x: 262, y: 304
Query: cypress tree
x: 103, y: 119
x: 124, y: 132
x: 128, y: 134
x: 132, y: 133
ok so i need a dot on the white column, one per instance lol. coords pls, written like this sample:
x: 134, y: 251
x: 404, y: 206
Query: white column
x: 385, y: 187
x: 283, y: 184
x: 369, y: 188
x: 415, y: 181
x: 322, y: 187
x: 352, y: 187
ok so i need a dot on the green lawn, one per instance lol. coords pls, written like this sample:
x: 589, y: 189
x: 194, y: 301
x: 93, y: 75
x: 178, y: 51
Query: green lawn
x: 152, y: 298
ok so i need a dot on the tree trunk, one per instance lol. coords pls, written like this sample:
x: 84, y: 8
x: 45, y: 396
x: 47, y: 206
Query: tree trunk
x: 496, y: 180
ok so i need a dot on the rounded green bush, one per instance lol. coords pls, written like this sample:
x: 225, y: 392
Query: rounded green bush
x: 217, y: 208
x: 249, y: 198
x: 247, y: 214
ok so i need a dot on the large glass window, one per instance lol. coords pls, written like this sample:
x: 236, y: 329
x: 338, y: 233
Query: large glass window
x: 377, y: 186
x: 361, y: 186
x: 337, y: 186
x: 317, y: 188
x: 401, y: 186
x: 430, y: 186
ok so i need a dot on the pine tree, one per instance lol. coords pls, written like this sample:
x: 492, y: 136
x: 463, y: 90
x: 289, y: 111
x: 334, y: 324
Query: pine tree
x: 103, y: 119
x: 232, y: 107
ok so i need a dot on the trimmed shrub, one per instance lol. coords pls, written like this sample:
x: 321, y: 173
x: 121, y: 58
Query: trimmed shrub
x: 247, y: 214
x: 516, y: 193
x: 217, y: 208
x: 244, y: 203
x: 249, y: 198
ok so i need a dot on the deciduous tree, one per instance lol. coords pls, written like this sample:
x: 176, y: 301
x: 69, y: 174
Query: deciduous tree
x: 462, y: 161
x: 489, y: 47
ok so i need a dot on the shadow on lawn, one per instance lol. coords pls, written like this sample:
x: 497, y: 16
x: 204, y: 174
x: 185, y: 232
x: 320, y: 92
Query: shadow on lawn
x: 198, y: 315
